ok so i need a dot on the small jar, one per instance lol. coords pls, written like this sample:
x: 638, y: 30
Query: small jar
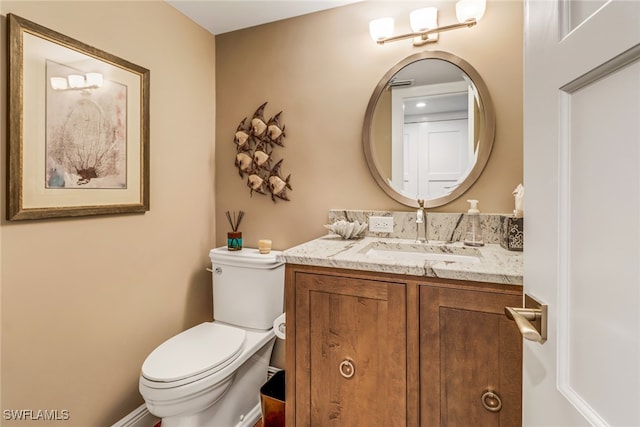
x: 264, y: 246
x: 234, y: 240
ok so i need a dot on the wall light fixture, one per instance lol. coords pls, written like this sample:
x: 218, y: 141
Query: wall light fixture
x: 77, y: 82
x: 424, y: 23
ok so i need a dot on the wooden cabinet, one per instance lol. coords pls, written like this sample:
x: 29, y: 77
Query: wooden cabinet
x: 347, y: 347
x: 375, y: 349
x: 470, y: 353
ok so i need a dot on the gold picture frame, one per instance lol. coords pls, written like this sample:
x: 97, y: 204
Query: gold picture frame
x: 78, y: 140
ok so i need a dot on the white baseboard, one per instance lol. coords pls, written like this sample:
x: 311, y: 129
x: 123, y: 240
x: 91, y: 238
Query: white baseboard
x: 251, y: 418
x: 140, y: 417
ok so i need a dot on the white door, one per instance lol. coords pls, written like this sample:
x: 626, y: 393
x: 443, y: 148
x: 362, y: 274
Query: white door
x: 435, y: 157
x: 582, y: 211
x: 444, y: 145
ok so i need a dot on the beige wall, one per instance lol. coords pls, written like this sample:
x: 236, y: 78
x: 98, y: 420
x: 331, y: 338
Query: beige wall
x: 320, y: 70
x: 85, y: 300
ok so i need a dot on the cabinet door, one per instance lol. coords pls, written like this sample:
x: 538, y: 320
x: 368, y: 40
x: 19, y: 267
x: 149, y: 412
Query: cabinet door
x: 468, y: 348
x: 350, y: 356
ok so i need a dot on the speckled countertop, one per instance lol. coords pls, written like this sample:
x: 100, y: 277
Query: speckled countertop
x: 489, y: 263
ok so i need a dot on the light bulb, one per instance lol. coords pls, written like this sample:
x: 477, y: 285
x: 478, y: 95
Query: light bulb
x: 58, y: 83
x: 470, y: 9
x: 381, y: 28
x: 75, y: 80
x: 424, y: 19
x: 94, y: 79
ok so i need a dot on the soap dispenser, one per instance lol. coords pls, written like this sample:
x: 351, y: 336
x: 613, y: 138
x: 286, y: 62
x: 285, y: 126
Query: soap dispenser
x: 473, y: 236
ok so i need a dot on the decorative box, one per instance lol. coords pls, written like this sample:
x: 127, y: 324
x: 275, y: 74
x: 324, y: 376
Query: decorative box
x: 512, y: 233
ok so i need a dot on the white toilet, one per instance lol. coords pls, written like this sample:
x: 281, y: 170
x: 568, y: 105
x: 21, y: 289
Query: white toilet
x: 210, y: 375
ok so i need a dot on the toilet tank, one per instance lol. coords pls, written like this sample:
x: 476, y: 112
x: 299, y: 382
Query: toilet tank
x: 248, y: 287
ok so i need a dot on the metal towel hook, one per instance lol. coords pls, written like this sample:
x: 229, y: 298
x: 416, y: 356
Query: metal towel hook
x: 531, y: 319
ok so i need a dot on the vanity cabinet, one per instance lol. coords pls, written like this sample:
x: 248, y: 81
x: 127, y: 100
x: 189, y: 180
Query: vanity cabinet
x: 380, y: 349
x: 470, y: 356
x: 345, y: 349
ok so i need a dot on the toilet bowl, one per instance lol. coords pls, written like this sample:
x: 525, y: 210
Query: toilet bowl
x: 210, y: 374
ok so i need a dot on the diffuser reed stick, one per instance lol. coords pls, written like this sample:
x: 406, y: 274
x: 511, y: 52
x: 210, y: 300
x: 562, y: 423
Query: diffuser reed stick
x: 235, y: 221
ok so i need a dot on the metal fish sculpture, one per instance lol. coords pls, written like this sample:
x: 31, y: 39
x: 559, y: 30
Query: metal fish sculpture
x: 255, y: 140
x: 277, y: 185
x: 257, y: 184
x: 243, y: 163
x: 261, y: 157
x: 275, y: 130
x: 258, y: 125
x: 242, y: 136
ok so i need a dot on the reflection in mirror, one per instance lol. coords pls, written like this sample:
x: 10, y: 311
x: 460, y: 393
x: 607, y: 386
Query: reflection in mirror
x: 429, y: 129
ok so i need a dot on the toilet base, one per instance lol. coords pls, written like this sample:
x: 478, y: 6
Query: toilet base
x: 249, y: 420
x: 240, y: 405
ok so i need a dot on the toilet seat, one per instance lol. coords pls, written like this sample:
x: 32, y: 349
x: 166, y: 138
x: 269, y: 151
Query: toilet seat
x: 193, y: 354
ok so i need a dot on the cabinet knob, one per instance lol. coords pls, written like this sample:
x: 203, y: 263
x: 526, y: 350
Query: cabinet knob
x: 347, y: 369
x: 491, y: 401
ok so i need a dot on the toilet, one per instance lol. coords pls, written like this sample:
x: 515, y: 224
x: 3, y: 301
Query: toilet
x: 210, y: 374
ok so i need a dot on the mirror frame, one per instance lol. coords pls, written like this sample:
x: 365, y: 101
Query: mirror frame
x: 485, y: 139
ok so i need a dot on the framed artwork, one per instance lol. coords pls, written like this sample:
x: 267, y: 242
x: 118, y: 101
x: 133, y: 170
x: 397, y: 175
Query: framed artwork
x: 78, y: 141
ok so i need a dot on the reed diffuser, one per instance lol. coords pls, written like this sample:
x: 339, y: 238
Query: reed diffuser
x: 234, y: 238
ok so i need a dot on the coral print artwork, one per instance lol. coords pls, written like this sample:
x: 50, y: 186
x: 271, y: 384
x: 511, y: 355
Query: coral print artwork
x: 78, y: 128
x: 86, y: 134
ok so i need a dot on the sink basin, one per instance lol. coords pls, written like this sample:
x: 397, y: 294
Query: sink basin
x: 421, y: 252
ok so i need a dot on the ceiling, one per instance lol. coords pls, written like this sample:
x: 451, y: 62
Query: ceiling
x: 222, y: 16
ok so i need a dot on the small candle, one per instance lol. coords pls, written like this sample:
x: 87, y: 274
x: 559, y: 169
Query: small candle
x: 264, y: 246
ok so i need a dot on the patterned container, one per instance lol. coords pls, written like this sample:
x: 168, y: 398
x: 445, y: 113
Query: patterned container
x: 512, y: 233
x: 234, y: 240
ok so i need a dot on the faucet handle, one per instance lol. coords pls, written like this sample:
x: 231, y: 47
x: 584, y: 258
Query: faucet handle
x: 421, y: 230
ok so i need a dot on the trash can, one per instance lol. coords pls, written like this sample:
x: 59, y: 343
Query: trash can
x: 272, y: 401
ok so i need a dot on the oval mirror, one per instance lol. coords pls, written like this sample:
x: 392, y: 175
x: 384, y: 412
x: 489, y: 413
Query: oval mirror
x: 428, y: 129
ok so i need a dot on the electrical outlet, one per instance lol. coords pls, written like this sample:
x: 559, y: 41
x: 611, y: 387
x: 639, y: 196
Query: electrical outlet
x: 381, y: 224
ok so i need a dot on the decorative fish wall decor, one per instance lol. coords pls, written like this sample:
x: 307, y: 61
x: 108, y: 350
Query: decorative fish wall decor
x: 242, y: 137
x: 255, y: 142
x: 258, y: 125
x: 277, y: 185
x: 257, y: 184
x: 275, y: 130
x: 261, y: 156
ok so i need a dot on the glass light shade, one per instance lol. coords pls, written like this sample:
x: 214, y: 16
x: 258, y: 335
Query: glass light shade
x: 58, y: 83
x: 381, y: 28
x: 424, y: 19
x: 94, y: 79
x: 75, y: 80
x: 470, y: 9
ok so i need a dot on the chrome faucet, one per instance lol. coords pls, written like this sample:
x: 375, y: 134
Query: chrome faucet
x: 421, y: 223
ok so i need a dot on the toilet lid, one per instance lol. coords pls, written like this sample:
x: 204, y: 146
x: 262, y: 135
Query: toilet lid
x: 207, y: 346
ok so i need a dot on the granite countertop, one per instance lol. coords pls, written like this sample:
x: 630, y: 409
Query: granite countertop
x: 490, y: 263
